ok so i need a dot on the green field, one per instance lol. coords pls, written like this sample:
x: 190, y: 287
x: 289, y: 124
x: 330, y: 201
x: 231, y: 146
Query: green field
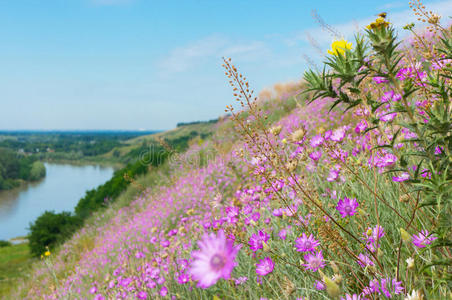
x: 14, y: 260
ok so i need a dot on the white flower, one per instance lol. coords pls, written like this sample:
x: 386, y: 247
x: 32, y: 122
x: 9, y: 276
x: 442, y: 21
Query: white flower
x: 415, y: 295
x: 410, y: 262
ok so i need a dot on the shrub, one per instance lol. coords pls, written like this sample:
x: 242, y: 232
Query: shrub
x: 49, y: 229
x: 38, y: 171
x: 4, y: 243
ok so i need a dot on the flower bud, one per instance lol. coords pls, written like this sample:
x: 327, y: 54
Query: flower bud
x: 410, y: 263
x: 332, y: 288
x: 406, y: 237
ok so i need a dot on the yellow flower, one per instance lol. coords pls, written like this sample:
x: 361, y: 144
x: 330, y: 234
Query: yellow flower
x: 47, y: 253
x: 379, y: 22
x: 339, y: 47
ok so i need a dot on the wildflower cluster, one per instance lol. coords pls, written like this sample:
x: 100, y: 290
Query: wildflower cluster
x: 341, y: 192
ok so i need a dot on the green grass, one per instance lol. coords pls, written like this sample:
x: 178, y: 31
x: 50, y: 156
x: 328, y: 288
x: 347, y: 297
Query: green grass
x: 15, y: 260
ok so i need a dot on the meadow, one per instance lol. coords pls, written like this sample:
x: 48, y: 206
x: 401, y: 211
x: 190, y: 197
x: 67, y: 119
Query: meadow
x: 336, y: 187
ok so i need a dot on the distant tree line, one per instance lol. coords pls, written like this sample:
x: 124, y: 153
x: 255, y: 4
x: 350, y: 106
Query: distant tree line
x: 196, y: 122
x: 15, y: 167
x: 83, y: 143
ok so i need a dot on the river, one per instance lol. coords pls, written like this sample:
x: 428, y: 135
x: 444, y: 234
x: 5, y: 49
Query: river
x: 60, y: 190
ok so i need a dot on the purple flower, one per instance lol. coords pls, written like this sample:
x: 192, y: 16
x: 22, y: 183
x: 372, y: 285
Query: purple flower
x: 165, y: 243
x: 334, y: 173
x: 232, y: 213
x: 314, y: 261
x: 265, y: 266
x: 316, y: 141
x: 315, y: 156
x: 361, y: 126
x: 390, y: 96
x: 372, y: 236
x: 282, y: 234
x: 403, y: 177
x: 278, y: 212
x: 403, y: 73
x: 423, y: 239
x: 319, y: 285
x: 305, y: 243
x: 163, y: 291
x: 338, y: 134
x: 389, y: 287
x: 256, y: 240
x: 183, y: 278
x: 99, y: 297
x: 387, y: 161
x: 214, y: 260
x: 240, y: 280
x: 142, y: 295
x: 387, y: 117
x: 93, y: 290
x: 364, y: 260
x: 347, y: 207
x: 380, y: 79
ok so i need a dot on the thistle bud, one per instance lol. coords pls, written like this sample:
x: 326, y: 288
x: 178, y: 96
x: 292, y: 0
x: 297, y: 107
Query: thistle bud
x: 404, y: 198
x: 406, y: 237
x: 410, y: 263
x: 334, y: 267
x: 298, y: 135
x: 332, y: 288
x: 276, y: 130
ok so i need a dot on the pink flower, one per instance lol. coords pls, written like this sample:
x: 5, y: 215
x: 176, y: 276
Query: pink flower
x: 316, y: 141
x: 351, y: 297
x: 403, y: 177
x: 282, y: 234
x: 380, y: 79
x: 163, y: 291
x: 305, y: 243
x: 265, y: 266
x: 388, y: 160
x: 372, y: 236
x: 347, y: 207
x: 142, y: 295
x: 319, y: 285
x: 423, y: 239
x: 361, y: 126
x: 314, y: 261
x: 338, y: 134
x: 364, y: 260
x: 232, y: 213
x: 384, y: 117
x: 315, y: 156
x: 334, y: 173
x: 390, y: 96
x: 240, y: 280
x: 214, y: 260
x: 256, y: 240
x: 403, y: 73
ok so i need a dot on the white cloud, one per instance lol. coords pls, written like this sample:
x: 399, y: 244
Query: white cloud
x: 210, y: 48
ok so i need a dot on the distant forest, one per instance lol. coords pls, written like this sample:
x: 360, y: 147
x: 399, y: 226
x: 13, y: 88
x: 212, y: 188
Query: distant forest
x: 15, y: 168
x: 197, y: 122
x: 84, y: 143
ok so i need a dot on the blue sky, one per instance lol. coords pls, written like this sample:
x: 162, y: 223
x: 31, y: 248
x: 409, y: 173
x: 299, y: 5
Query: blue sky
x: 137, y: 64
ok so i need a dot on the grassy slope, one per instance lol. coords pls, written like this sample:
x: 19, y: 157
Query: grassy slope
x: 14, y: 261
x: 201, y: 128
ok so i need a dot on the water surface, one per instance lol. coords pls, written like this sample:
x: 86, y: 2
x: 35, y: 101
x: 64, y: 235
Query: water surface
x: 60, y: 190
